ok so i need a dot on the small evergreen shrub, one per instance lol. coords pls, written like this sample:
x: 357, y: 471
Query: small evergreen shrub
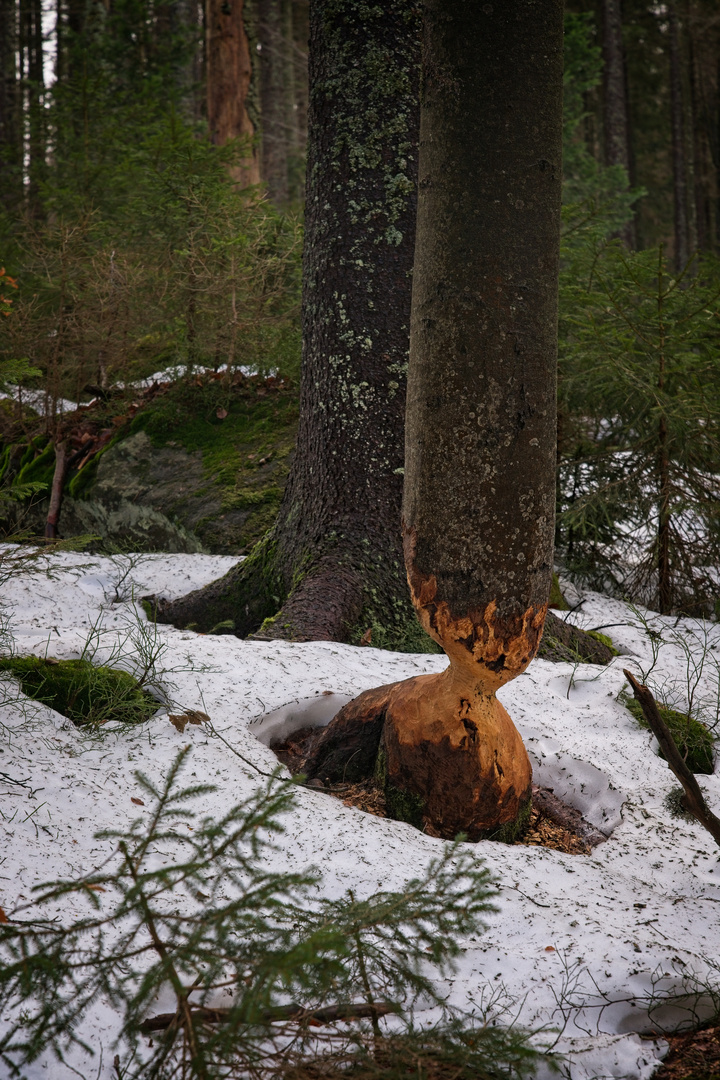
x: 262, y: 970
x: 88, y: 695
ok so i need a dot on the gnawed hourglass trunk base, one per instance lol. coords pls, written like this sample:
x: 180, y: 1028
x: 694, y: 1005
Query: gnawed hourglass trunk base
x: 448, y: 755
x: 454, y: 761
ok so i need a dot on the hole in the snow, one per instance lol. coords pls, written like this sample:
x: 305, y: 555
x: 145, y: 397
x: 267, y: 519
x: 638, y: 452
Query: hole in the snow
x: 561, y: 794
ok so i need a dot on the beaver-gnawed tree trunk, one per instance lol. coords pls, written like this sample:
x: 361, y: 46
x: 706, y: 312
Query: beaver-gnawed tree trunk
x: 332, y: 565
x: 479, y: 496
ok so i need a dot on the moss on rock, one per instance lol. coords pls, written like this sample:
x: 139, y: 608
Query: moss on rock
x: 693, y: 739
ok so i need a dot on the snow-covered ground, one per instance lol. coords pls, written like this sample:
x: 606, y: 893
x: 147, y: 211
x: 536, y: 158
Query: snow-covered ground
x: 43, y: 403
x: 578, y: 942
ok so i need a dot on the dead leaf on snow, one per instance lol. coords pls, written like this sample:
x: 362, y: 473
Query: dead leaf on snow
x: 138, y: 802
x: 193, y: 716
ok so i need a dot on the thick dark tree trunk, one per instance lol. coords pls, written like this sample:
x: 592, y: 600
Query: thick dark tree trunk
x: 228, y: 77
x: 615, y: 108
x: 479, y: 493
x: 333, y: 562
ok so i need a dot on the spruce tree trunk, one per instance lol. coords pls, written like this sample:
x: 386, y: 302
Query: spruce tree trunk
x: 479, y: 494
x: 679, y: 155
x: 276, y: 119
x: 10, y: 108
x: 228, y: 77
x: 31, y: 45
x: 333, y: 562
x: 615, y: 108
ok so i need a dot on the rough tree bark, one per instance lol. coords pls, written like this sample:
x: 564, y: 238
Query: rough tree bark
x: 32, y: 72
x: 479, y: 494
x: 228, y: 75
x: 332, y: 565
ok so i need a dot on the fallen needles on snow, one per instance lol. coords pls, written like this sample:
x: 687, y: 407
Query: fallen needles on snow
x: 11, y: 780
x: 532, y: 899
x: 330, y: 1014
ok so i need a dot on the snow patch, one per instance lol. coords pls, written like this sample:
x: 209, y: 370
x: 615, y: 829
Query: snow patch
x: 577, y: 942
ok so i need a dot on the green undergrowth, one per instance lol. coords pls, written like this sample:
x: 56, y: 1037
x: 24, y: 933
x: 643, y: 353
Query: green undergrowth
x: 693, y: 739
x: 90, y: 696
x: 479, y: 1051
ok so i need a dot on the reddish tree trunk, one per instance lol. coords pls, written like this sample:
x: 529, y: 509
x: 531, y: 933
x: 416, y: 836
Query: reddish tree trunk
x: 228, y: 75
x: 56, y: 490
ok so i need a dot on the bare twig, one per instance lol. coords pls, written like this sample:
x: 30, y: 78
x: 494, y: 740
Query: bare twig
x: 694, y: 798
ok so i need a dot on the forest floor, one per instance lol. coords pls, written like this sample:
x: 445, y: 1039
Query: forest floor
x: 600, y: 953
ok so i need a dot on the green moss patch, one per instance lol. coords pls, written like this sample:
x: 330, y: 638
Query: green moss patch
x: 404, y: 635
x: 693, y: 739
x: 512, y: 831
x: 557, y: 600
x: 605, y: 640
x: 37, y: 464
x: 404, y: 806
x: 89, y: 696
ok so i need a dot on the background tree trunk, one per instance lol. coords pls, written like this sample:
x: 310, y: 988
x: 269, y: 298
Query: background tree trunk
x: 277, y: 119
x: 10, y: 108
x: 679, y: 149
x: 333, y: 562
x: 228, y: 77
x: 31, y: 53
x: 615, y: 99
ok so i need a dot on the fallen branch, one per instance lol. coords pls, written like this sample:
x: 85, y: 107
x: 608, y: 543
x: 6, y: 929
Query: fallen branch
x: 328, y: 1015
x: 694, y: 799
x: 567, y: 817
